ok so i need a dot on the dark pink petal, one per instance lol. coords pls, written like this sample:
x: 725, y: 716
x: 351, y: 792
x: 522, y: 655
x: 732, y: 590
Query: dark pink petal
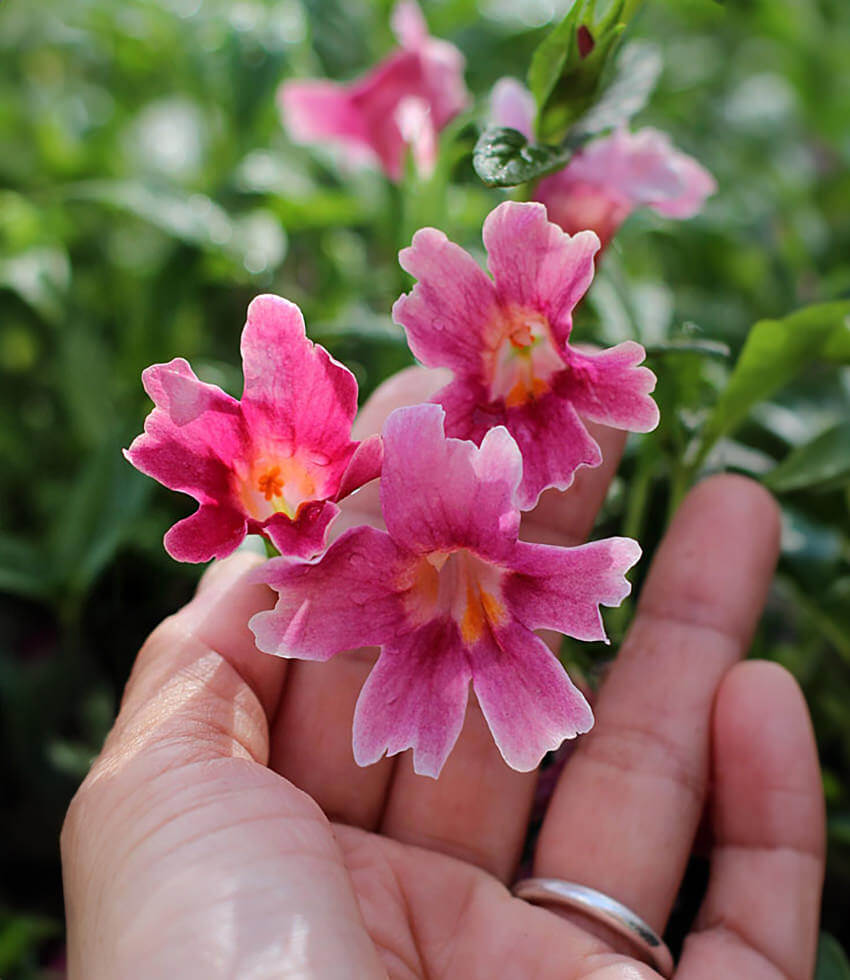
x: 441, y: 494
x: 554, y: 444
x: 211, y: 532
x: 342, y: 601
x: 191, y: 437
x: 537, y: 265
x: 447, y: 314
x: 296, y: 395
x: 364, y: 466
x: 305, y: 536
x: 529, y: 702
x: 563, y: 588
x: 609, y: 387
x: 468, y: 416
x: 512, y: 105
x: 415, y: 697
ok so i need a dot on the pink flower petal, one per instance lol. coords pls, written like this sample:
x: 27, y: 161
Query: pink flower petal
x: 364, y: 466
x: 609, y: 387
x: 415, y: 697
x: 408, y: 24
x: 295, y: 392
x: 211, y: 532
x: 536, y: 265
x: 562, y: 588
x: 512, y: 105
x: 554, y: 444
x: 449, y: 310
x: 317, y: 111
x: 697, y: 185
x: 305, y: 536
x: 343, y: 601
x: 528, y: 700
x: 439, y: 494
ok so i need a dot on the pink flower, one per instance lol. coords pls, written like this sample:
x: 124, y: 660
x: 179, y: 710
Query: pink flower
x: 451, y: 596
x: 506, y: 340
x: 272, y: 463
x: 611, y: 177
x: 403, y: 103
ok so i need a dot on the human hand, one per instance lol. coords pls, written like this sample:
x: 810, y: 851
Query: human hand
x: 225, y: 830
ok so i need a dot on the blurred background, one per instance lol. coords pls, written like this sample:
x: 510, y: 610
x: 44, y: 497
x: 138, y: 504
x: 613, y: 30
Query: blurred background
x: 148, y: 191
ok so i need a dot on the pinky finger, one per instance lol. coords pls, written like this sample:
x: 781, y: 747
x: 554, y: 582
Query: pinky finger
x: 759, y: 919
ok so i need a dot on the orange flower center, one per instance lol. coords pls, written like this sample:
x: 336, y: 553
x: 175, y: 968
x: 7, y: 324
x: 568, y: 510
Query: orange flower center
x: 523, y: 360
x: 276, y: 486
x: 461, y: 585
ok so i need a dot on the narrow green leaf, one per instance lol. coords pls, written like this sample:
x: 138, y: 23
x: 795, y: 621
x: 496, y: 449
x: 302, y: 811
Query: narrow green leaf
x: 832, y: 961
x: 555, y: 52
x: 504, y: 158
x: 823, y: 463
x: 775, y: 351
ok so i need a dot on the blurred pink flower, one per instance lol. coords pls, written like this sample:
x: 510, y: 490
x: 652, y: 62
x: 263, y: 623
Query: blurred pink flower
x: 451, y: 596
x: 610, y: 177
x: 401, y: 105
x: 506, y: 340
x: 272, y: 463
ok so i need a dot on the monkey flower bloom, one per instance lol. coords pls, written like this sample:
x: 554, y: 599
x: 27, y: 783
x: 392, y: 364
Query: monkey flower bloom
x: 506, y: 340
x: 612, y: 176
x: 272, y: 463
x: 403, y: 103
x: 451, y: 596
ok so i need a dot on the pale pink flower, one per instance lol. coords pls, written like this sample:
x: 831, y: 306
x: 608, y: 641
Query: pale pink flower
x: 506, y: 340
x: 610, y: 177
x: 399, y: 106
x: 272, y: 463
x: 451, y: 597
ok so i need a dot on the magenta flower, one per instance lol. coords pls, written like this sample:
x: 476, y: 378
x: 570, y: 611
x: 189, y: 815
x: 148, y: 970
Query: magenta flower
x: 401, y: 105
x: 506, y: 340
x: 272, y: 463
x: 451, y: 596
x: 611, y: 177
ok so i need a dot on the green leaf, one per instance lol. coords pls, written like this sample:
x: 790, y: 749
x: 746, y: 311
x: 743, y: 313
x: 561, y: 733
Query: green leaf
x: 107, y: 498
x: 565, y: 72
x: 636, y: 74
x: 775, y: 351
x: 822, y: 464
x: 832, y: 961
x: 700, y: 348
x: 504, y: 158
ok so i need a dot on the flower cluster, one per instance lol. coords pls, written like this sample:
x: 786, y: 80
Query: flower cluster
x: 448, y: 592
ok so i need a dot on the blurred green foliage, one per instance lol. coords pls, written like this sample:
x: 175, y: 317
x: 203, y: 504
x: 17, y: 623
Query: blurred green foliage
x: 147, y: 192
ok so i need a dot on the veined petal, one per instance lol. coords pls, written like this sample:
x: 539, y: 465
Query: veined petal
x: 448, y: 311
x: 611, y: 388
x: 537, y: 265
x: 528, y: 700
x: 439, y: 494
x: 563, y: 588
x: 295, y: 392
x: 554, y: 443
x: 213, y: 531
x: 342, y: 601
x: 364, y: 466
x: 415, y: 697
x: 512, y: 105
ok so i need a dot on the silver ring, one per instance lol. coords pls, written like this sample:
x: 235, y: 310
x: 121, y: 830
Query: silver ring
x: 603, y: 908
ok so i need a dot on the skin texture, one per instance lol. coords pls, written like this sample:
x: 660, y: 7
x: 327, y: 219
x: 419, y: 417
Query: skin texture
x: 225, y: 830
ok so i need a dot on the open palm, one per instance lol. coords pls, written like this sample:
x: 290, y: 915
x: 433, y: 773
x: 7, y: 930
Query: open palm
x: 225, y: 830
